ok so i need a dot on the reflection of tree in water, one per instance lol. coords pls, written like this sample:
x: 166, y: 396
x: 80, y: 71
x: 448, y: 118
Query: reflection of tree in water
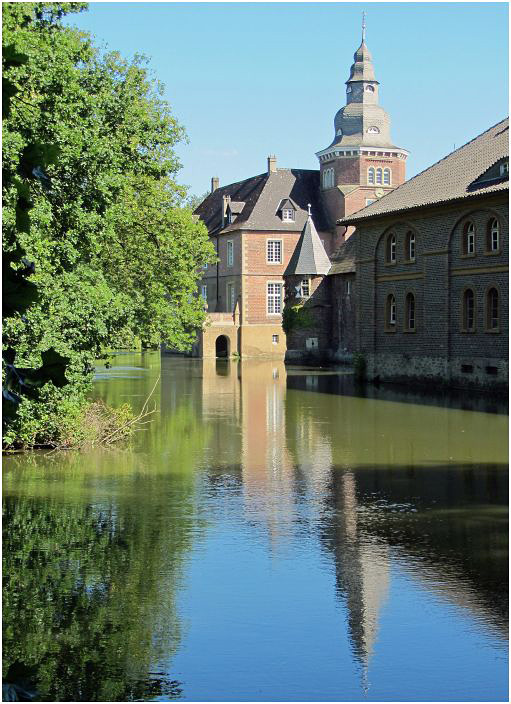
x: 92, y: 563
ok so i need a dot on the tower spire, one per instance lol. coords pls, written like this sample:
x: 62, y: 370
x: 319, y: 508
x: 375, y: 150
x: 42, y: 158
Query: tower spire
x: 363, y: 26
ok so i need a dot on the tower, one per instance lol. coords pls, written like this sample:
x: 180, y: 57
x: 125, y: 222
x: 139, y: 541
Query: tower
x: 361, y: 164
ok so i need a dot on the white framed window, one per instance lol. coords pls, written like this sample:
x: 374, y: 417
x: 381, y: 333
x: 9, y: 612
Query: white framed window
x: 275, y: 339
x: 348, y: 287
x: 469, y: 239
x: 204, y: 292
x: 273, y: 298
x: 305, y: 288
x: 274, y: 251
x: 386, y: 177
x: 229, y: 217
x: 230, y: 253
x: 410, y: 246
x: 504, y: 168
x: 371, y: 176
x: 231, y: 297
x: 288, y: 215
x: 494, y: 238
x: 205, y: 266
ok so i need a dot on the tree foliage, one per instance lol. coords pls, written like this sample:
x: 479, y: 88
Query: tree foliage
x: 91, y: 206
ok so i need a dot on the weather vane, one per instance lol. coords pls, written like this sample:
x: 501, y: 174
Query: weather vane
x: 363, y: 26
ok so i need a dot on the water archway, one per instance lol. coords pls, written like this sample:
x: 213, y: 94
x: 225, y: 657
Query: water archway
x: 222, y: 346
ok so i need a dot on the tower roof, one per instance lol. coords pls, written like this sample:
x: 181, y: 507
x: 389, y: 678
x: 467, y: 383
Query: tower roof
x: 309, y: 257
x: 362, y: 69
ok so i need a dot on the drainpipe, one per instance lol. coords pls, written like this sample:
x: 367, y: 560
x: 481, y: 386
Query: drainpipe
x: 217, y: 275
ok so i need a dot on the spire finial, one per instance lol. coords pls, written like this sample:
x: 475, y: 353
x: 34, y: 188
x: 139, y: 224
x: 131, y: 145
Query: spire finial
x: 309, y: 209
x: 364, y: 26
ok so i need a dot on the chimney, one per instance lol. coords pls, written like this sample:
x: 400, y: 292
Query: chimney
x: 215, y: 182
x: 272, y: 164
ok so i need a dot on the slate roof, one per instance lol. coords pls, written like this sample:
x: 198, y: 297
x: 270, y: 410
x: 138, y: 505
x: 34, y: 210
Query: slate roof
x: 262, y: 196
x: 309, y: 256
x: 343, y: 259
x: 236, y: 206
x: 454, y: 177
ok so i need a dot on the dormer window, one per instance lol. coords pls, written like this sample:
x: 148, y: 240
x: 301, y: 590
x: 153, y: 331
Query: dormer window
x: 229, y: 217
x: 504, y: 168
x: 369, y: 89
x: 288, y: 215
x: 373, y: 130
x: 348, y: 89
x: 339, y: 133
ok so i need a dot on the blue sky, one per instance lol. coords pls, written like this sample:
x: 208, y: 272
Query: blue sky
x: 250, y: 79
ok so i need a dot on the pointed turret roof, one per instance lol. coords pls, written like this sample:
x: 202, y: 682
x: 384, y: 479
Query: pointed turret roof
x: 362, y: 68
x: 309, y: 257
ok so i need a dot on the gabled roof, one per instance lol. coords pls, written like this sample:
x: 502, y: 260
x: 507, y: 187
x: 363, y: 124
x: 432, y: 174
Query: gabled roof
x: 343, y: 259
x: 452, y: 178
x: 309, y: 256
x: 262, y: 195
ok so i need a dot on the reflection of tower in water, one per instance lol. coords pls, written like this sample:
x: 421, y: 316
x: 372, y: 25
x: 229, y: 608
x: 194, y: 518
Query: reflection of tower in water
x: 361, y: 567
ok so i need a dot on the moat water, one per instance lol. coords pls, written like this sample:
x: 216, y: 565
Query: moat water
x: 275, y: 534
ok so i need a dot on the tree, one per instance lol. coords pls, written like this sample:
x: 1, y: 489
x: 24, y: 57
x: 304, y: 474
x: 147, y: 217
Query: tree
x: 116, y: 254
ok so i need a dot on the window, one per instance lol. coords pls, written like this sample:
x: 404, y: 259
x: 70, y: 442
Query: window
x: 493, y: 236
x: 204, y: 293
x: 390, y: 253
x: 369, y: 89
x: 373, y: 130
x: 328, y: 178
x: 339, y: 133
x: 386, y: 177
x: 370, y: 200
x: 288, y: 215
x: 305, y: 288
x: 469, y: 239
x: 504, y: 169
x: 274, y: 251
x: 348, y: 89
x: 492, y: 310
x: 390, y: 313
x: 348, y: 287
x: 274, y: 299
x: 229, y: 217
x: 410, y: 247
x: 275, y: 339
x: 410, y: 312
x: 379, y: 176
x: 231, y: 299
x: 230, y: 253
x: 468, y: 311
x: 370, y: 176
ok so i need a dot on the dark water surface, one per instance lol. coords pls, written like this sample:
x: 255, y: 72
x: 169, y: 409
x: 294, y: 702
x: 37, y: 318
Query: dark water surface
x: 273, y: 535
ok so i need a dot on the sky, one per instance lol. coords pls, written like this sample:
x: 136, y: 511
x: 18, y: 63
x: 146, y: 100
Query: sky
x: 251, y: 79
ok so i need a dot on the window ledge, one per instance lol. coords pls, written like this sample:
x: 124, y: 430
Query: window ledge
x: 467, y: 332
x: 391, y: 330
x: 492, y: 332
x: 410, y: 331
x: 468, y: 256
x: 390, y: 263
x: 410, y: 261
x: 495, y: 253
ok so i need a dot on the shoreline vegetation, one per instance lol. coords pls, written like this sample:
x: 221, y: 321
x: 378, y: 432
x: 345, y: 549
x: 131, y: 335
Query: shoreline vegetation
x: 100, y: 245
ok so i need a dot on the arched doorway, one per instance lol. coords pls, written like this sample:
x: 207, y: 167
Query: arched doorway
x: 222, y: 346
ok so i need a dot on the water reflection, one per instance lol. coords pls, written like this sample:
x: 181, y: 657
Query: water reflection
x: 381, y: 506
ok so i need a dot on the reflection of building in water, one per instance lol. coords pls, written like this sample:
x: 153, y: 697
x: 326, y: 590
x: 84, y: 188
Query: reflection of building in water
x: 362, y: 567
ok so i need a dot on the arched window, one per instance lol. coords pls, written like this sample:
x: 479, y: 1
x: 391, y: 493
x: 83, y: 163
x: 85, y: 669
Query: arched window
x: 390, y: 249
x: 468, y: 311
x: 410, y: 246
x: 328, y: 178
x: 370, y: 176
x: 493, y: 236
x: 373, y: 130
x: 348, y: 89
x: 390, y: 312
x: 469, y: 239
x: 386, y: 177
x: 379, y: 176
x: 410, y: 312
x: 492, y: 310
x: 369, y: 89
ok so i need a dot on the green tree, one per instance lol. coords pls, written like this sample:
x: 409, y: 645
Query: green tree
x: 117, y: 253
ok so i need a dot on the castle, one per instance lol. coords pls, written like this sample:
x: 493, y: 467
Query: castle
x: 352, y: 258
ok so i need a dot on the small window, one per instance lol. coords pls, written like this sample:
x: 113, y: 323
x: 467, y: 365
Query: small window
x: 468, y: 311
x: 492, y: 310
x: 273, y: 299
x: 231, y: 297
x: 348, y: 287
x: 410, y: 246
x: 369, y: 89
x: 230, y: 253
x: 373, y: 130
x: 410, y: 312
x: 229, y: 217
x: 305, y: 288
x: 390, y: 312
x: 493, y: 236
x: 504, y: 169
x: 275, y: 339
x: 371, y: 176
x: 204, y: 293
x: 339, y: 133
x: 288, y: 215
x: 379, y: 176
x: 386, y: 177
x: 469, y: 239
x: 348, y: 89
x: 370, y: 200
x: 274, y: 252
x: 390, y: 252
x: 328, y: 178
x: 205, y: 266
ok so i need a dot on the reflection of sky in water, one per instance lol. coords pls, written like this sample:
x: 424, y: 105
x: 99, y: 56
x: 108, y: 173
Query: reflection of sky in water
x: 335, y: 545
